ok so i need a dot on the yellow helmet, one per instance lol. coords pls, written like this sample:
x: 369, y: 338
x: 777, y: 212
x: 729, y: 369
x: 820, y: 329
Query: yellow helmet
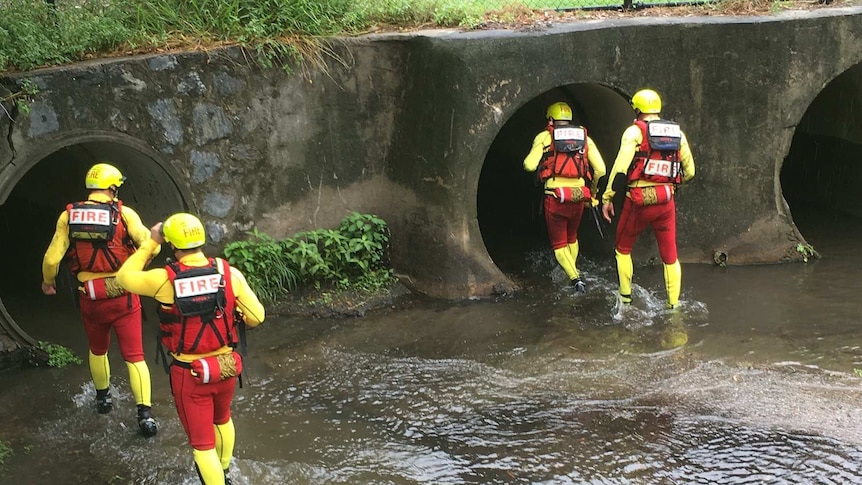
x: 647, y: 101
x: 559, y: 111
x: 103, y: 176
x: 184, y: 231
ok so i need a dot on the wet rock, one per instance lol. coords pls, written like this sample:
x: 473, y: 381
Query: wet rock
x: 210, y: 123
x: 217, y: 204
x: 204, y: 165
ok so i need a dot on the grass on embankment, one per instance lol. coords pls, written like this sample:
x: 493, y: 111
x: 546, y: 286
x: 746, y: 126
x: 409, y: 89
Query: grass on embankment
x: 35, y: 33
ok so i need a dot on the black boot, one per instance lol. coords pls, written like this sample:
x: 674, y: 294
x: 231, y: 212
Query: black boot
x: 146, y: 422
x: 201, y: 477
x: 104, y: 403
x: 580, y: 286
x: 227, y: 480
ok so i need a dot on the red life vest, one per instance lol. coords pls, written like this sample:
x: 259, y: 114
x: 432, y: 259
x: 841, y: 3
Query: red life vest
x: 657, y: 159
x: 201, y: 318
x: 98, y: 239
x: 567, y: 155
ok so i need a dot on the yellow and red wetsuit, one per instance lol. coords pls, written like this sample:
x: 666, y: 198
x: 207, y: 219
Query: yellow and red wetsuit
x: 204, y: 409
x: 635, y: 218
x: 122, y: 313
x: 564, y: 218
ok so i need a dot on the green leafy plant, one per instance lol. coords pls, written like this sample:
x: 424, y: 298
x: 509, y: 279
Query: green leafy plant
x: 59, y: 356
x: 266, y: 267
x: 22, y: 98
x: 807, y: 251
x: 341, y: 256
x: 35, y: 33
x: 353, y: 256
x: 5, y: 452
x: 374, y: 281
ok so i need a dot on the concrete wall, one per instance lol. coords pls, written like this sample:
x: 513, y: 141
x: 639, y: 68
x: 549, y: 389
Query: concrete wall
x: 400, y: 125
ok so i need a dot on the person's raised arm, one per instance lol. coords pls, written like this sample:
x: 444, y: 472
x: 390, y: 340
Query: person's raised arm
x: 137, y: 230
x: 132, y: 276
x: 251, y: 308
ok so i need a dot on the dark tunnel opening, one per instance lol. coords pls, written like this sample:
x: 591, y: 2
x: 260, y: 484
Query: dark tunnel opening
x: 28, y: 218
x: 821, y: 173
x: 509, y: 198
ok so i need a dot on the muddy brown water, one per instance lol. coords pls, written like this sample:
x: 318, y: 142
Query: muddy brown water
x: 751, y: 382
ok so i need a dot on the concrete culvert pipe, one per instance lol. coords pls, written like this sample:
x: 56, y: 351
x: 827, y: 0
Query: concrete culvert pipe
x: 33, y: 193
x: 509, y: 198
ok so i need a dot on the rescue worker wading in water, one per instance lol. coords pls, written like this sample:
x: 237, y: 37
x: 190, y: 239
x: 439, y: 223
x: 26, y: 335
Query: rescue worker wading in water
x: 654, y: 158
x: 95, y: 237
x: 569, y: 165
x: 200, y: 298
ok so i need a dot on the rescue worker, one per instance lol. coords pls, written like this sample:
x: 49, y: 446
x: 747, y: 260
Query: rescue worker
x: 654, y: 158
x: 569, y: 166
x: 95, y: 237
x: 203, y: 303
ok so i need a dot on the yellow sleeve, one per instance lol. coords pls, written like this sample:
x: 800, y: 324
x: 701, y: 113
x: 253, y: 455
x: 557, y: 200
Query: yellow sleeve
x: 136, y: 228
x: 687, y: 160
x: 629, y: 144
x: 252, y: 310
x: 152, y: 283
x: 56, y: 250
x: 596, y: 162
x: 540, y: 143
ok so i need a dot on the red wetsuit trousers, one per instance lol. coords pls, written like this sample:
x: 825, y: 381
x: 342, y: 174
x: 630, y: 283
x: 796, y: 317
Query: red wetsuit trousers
x: 563, y: 220
x: 200, y: 406
x: 635, y: 218
x: 123, y: 314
